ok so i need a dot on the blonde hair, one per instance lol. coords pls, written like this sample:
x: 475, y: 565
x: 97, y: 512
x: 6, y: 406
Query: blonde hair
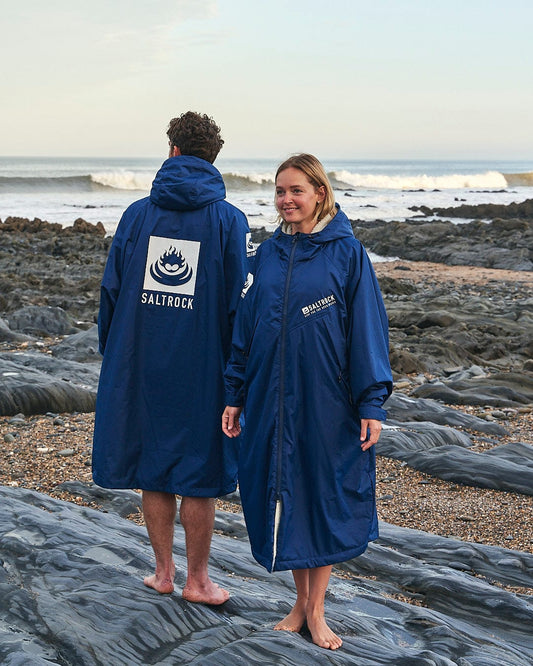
x: 315, y: 173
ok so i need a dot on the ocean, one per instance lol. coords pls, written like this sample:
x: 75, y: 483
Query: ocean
x: 99, y: 189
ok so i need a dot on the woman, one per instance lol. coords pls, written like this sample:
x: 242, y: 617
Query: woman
x: 310, y: 365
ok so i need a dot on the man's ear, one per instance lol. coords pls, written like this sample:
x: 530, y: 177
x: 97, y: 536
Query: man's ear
x: 174, y: 151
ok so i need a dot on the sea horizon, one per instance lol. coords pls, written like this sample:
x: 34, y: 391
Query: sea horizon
x: 98, y: 189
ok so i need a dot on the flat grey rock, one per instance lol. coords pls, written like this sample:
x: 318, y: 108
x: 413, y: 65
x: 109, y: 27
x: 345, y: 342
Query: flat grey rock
x: 401, y: 407
x: 71, y: 593
x: 443, y: 453
x: 81, y: 347
x: 35, y: 383
x: 42, y: 320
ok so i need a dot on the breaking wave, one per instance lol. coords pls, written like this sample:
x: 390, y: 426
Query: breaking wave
x: 341, y: 180
x: 117, y: 180
x: 124, y: 180
x: 519, y: 179
x: 254, y: 181
x: 348, y: 180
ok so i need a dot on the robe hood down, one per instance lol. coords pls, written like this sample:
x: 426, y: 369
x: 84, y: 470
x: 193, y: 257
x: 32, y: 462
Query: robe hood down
x: 309, y: 360
x: 187, y: 183
x: 169, y: 294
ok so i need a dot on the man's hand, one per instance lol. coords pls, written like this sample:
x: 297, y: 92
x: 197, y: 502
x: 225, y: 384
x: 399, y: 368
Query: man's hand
x: 370, y: 430
x: 230, y: 421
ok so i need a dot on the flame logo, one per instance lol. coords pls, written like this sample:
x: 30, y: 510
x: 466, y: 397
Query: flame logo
x: 171, y: 269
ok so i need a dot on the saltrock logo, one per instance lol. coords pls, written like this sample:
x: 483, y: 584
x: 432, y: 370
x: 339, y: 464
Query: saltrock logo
x: 171, y: 265
x: 251, y: 249
x: 248, y: 283
x: 319, y: 305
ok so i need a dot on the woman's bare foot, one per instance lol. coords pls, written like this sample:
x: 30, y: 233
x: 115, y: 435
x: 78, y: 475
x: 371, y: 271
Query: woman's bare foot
x: 210, y: 593
x: 321, y: 634
x: 161, y: 585
x: 294, y: 621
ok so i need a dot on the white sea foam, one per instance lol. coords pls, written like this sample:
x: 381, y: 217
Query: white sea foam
x: 124, y: 180
x: 99, y: 189
x: 489, y: 179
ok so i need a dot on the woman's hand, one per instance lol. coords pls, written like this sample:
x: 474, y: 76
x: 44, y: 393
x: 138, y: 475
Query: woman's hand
x: 230, y: 421
x: 370, y: 430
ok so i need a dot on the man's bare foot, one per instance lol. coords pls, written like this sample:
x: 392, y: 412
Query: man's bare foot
x: 321, y: 634
x: 294, y: 621
x: 161, y: 585
x: 210, y: 593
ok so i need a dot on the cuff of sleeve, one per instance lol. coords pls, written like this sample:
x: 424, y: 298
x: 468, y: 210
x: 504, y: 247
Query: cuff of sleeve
x: 234, y: 400
x: 372, y: 412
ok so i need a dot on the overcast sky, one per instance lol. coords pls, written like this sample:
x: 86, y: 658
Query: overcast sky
x: 341, y: 78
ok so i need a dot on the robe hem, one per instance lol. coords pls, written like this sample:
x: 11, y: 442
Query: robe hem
x: 174, y: 490
x: 313, y: 562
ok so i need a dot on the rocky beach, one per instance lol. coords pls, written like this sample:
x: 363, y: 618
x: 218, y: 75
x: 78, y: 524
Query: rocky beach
x: 450, y: 579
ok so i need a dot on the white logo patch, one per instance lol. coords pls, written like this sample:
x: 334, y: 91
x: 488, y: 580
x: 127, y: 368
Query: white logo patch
x: 248, y: 283
x: 251, y: 248
x: 319, y: 305
x: 171, y: 265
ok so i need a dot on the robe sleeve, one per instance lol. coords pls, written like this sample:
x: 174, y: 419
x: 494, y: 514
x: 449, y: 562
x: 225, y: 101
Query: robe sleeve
x: 109, y: 289
x: 234, y: 376
x: 236, y: 263
x: 368, y: 342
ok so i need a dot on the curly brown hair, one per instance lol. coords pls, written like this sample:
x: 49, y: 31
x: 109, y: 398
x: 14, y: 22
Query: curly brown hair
x: 195, y: 134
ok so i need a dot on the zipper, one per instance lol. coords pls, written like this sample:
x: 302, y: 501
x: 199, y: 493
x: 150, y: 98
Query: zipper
x: 281, y: 405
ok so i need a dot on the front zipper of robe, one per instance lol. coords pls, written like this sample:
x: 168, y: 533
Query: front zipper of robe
x: 281, y: 407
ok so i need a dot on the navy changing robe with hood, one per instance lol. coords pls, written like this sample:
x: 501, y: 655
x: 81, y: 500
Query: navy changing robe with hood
x: 309, y: 360
x: 169, y: 293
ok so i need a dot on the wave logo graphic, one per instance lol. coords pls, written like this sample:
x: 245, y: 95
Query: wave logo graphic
x: 171, y: 265
x: 171, y: 269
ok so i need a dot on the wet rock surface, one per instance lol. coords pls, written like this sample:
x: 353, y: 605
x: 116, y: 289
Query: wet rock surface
x: 72, y: 593
x: 35, y: 383
x: 71, y: 578
x: 501, y: 243
x: 441, y: 328
x: 44, y: 264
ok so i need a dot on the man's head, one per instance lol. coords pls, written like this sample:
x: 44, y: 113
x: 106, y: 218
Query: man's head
x: 195, y: 134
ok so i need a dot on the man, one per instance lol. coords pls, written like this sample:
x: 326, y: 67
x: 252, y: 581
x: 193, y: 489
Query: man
x: 169, y: 292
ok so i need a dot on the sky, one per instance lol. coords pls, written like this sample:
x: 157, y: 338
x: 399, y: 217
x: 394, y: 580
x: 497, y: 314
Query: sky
x: 378, y: 79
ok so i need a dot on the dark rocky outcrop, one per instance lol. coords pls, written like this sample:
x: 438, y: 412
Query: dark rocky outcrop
x: 43, y: 263
x: 435, y: 328
x: 513, y: 211
x: 505, y: 244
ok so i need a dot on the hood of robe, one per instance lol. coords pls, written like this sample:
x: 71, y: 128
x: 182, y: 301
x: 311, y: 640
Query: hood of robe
x: 186, y: 182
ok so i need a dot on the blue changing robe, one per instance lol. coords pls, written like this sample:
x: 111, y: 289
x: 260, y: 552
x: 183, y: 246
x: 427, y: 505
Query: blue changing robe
x: 309, y: 360
x: 169, y: 294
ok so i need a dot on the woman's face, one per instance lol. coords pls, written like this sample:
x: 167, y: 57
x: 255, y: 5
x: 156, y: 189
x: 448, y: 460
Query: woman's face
x: 296, y: 199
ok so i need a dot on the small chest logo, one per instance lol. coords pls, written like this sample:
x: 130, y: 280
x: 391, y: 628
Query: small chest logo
x: 171, y: 265
x: 319, y: 305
